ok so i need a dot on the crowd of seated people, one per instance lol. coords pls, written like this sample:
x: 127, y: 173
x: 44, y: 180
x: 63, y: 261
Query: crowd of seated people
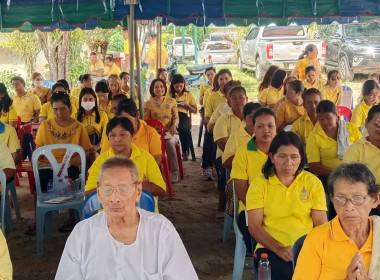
x: 296, y: 165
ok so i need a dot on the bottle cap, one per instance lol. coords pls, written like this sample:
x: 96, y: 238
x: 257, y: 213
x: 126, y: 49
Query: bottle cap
x: 264, y: 255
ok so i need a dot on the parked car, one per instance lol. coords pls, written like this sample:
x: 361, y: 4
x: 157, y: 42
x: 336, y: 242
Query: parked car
x: 175, y: 48
x: 352, y: 48
x: 279, y: 45
x: 221, y: 36
x: 217, y: 52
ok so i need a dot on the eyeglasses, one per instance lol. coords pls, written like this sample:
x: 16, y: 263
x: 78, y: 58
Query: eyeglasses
x: 122, y: 190
x: 355, y: 200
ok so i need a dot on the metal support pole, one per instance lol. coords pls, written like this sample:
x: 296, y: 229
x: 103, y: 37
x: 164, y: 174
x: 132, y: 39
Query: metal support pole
x: 183, y: 43
x: 138, y: 77
x: 131, y: 51
x: 196, y: 44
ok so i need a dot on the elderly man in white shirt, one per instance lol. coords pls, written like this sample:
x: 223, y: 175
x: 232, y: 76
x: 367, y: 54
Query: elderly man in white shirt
x: 123, y: 241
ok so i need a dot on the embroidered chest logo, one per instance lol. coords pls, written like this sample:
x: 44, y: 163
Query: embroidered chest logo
x: 62, y: 136
x: 304, y: 195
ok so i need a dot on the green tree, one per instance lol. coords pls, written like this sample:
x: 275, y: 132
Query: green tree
x: 116, y: 42
x: 78, y: 64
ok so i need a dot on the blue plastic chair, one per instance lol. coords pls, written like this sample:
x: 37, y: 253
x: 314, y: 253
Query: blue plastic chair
x: 44, y: 210
x: 228, y: 220
x: 6, y: 217
x: 297, y: 249
x: 11, y: 186
x: 240, y: 248
x: 92, y: 205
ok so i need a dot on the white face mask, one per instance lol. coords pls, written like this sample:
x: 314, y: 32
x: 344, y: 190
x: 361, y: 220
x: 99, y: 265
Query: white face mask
x: 88, y: 105
x: 39, y: 83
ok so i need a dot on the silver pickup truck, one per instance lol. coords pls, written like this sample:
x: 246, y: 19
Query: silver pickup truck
x: 278, y: 45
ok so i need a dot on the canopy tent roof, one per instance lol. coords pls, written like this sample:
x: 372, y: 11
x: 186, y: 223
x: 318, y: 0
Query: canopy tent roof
x: 47, y: 15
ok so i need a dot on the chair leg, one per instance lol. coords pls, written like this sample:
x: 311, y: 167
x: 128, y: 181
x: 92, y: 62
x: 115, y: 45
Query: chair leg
x: 192, y: 149
x: 8, y: 214
x: 200, y: 132
x: 40, y: 221
x: 17, y: 179
x: 31, y: 181
x: 165, y: 166
x: 239, y: 258
x: 179, y: 158
x: 12, y: 190
x: 228, y: 223
x: 49, y: 225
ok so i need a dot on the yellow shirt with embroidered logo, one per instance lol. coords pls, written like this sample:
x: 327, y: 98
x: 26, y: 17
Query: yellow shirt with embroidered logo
x: 359, y: 114
x: 271, y: 95
x: 26, y: 105
x: 334, y: 96
x: 303, y: 63
x: 323, y: 149
x: 303, y: 127
x: 287, y: 210
x: 146, y: 165
x: 318, y: 84
x: 288, y: 113
x: 214, y: 100
x: 10, y: 116
x: 8, y: 135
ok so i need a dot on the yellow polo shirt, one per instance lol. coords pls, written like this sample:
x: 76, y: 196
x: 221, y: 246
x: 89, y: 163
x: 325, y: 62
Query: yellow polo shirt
x: 318, y: 84
x: 5, y: 260
x: 364, y: 152
x: 126, y: 51
x: 327, y: 252
x: 189, y: 98
x: 303, y: 127
x: 359, y: 114
x: 94, y: 127
x: 203, y: 89
x: 8, y: 135
x: 225, y: 126
x: 287, y: 210
x: 214, y: 99
x: 220, y: 111
x: 108, y: 110
x: 98, y: 65
x: 288, y: 113
x: 271, y: 95
x: 76, y: 92
x: 334, y: 96
x: 247, y: 164
x: 323, y: 149
x: 10, y: 116
x: 146, y: 165
x: 206, y: 94
x: 236, y: 139
x: 114, y: 69
x: 47, y: 111
x: 26, y: 105
x: 74, y: 102
x: 303, y: 63
x: 42, y: 94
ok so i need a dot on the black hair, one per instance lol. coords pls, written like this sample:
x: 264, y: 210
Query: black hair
x: 326, y: 106
x: 59, y: 85
x: 151, y: 88
x: 230, y: 85
x: 119, y: 97
x: 308, y: 48
x: 85, y: 77
x: 63, y: 81
x: 297, y: 85
x: 310, y: 68
x: 330, y: 74
x: 18, y: 78
x: 278, y: 78
x: 176, y: 79
x: 6, y: 100
x: 60, y: 96
x: 354, y: 172
x: 225, y: 71
x: 263, y: 111
x: 102, y: 86
x: 128, y: 106
x: 159, y: 71
x: 371, y: 113
x: 368, y: 86
x: 284, y: 138
x: 122, y: 121
x: 1, y: 106
x: 250, y: 107
x: 210, y: 69
x: 81, y: 110
x: 93, y: 53
x: 311, y: 91
x: 268, y: 77
x: 235, y: 89
x: 109, y: 58
x: 122, y: 74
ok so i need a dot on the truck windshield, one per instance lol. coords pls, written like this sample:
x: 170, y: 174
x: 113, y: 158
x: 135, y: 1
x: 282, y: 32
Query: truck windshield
x: 219, y: 47
x: 283, y: 31
x: 188, y: 41
x: 362, y: 30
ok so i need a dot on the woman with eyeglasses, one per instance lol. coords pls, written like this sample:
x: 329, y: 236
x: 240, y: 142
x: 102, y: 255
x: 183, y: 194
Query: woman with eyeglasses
x: 332, y: 91
x: 348, y: 246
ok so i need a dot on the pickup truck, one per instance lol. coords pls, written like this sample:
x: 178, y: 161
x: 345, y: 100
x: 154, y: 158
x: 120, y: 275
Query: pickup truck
x: 352, y: 48
x: 278, y: 45
x: 217, y: 52
x: 175, y: 48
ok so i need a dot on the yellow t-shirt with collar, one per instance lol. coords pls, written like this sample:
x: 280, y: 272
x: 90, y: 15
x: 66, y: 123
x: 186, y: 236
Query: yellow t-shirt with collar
x: 146, y: 165
x: 287, y: 210
x: 126, y: 51
x: 271, y: 95
x: 190, y: 99
x: 318, y: 84
x: 303, y: 63
x: 334, y: 96
x: 26, y: 105
x: 42, y: 94
x: 5, y: 260
x: 47, y: 111
x: 220, y: 111
x: 8, y: 135
x: 203, y: 89
x: 359, y: 114
x: 214, y: 99
x: 76, y: 92
x: 287, y: 113
x: 10, y: 116
x: 247, y: 164
x: 225, y: 126
x: 114, y: 69
x: 92, y: 126
x: 98, y: 65
x: 236, y: 139
x: 303, y: 127
x: 323, y: 149
x: 108, y: 110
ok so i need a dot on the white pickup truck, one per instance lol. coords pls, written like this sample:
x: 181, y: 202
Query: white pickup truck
x: 278, y: 45
x: 175, y: 48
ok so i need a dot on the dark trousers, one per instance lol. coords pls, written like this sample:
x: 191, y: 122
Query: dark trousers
x: 47, y: 174
x: 209, y: 150
x: 280, y: 269
x: 184, y: 131
x: 221, y: 172
x: 249, y: 241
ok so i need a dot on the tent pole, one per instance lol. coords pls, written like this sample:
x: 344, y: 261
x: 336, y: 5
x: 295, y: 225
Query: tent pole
x: 131, y: 52
x: 138, y: 70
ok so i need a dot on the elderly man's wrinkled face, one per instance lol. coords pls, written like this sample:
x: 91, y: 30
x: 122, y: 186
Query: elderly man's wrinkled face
x: 118, y: 193
x: 352, y: 202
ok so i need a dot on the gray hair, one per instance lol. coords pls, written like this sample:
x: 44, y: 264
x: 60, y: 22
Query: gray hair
x: 354, y: 172
x: 120, y: 161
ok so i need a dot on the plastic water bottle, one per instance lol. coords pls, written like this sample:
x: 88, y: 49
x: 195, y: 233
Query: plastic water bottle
x: 264, y: 268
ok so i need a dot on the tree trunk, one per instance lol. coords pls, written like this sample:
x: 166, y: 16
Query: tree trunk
x: 63, y: 55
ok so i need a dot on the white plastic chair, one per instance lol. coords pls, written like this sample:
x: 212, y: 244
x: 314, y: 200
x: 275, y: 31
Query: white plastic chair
x: 5, y: 209
x: 60, y: 175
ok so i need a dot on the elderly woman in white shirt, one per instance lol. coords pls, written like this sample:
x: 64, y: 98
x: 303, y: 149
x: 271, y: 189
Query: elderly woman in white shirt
x: 123, y: 241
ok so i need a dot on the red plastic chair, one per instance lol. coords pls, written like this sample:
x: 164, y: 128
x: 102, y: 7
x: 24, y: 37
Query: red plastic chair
x: 344, y: 111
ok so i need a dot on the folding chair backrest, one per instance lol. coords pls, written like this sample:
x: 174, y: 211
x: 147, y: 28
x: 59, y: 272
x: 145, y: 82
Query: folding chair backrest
x: 161, y: 131
x: 347, y: 98
x: 344, y: 111
x: 146, y: 201
x: 3, y: 182
x: 297, y: 249
x: 60, y: 173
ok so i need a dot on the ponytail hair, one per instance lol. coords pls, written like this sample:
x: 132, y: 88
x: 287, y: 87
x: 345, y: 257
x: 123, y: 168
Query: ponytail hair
x: 308, y: 48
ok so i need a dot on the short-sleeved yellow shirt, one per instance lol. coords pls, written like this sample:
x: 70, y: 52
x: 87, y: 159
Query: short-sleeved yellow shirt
x: 359, y: 114
x: 364, y: 152
x: 42, y: 94
x: 50, y: 133
x: 26, y: 105
x: 214, y: 99
x: 318, y: 84
x: 235, y: 140
x: 8, y: 135
x: 225, y: 126
x: 327, y: 252
x: 76, y: 92
x: 166, y: 112
x: 203, y: 89
x: 97, y: 66
x: 5, y: 260
x: 146, y: 165
x: 271, y: 95
x: 303, y: 63
x: 303, y: 127
x: 47, y: 111
x: 206, y: 94
x: 126, y: 51
x: 74, y: 102
x: 287, y: 210
x: 189, y: 98
x: 152, y: 54
x: 288, y: 113
x: 10, y: 116
x: 220, y: 111
x: 323, y: 149
x: 93, y: 127
x: 334, y: 96
x: 108, y: 110
x: 114, y: 69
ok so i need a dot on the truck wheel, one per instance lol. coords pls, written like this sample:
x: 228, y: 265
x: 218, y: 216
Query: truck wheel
x: 344, y: 69
x: 259, y: 71
x: 239, y: 63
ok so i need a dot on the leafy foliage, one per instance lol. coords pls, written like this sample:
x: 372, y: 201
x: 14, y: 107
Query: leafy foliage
x: 78, y: 65
x: 116, y: 41
x: 5, y: 78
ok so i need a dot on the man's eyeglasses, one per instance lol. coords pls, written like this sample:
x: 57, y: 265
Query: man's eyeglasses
x: 122, y: 190
x: 355, y: 200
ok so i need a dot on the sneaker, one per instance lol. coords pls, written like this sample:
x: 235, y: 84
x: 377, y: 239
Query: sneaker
x: 174, y: 176
x: 207, y: 174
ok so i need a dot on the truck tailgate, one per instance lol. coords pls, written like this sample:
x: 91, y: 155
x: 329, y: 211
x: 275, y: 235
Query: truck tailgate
x: 292, y: 49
